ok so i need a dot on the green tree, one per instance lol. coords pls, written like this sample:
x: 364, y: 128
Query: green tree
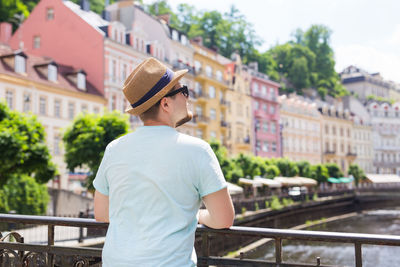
x: 357, y: 173
x: 13, y: 11
x: 87, y: 138
x: 333, y: 170
x: 319, y: 173
x: 248, y: 165
x: 304, y: 168
x: 23, y: 148
x: 25, y: 196
x: 271, y: 171
x: 286, y: 167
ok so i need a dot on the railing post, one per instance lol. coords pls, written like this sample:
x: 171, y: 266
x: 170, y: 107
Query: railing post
x: 358, y: 252
x: 80, y: 239
x: 50, y: 242
x: 278, y: 250
x: 205, y: 247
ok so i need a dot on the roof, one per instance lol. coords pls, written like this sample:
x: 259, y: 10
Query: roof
x: 296, y: 181
x: 92, y: 18
x: 250, y: 182
x: 383, y: 178
x: 234, y: 189
x: 33, y: 74
x: 268, y: 182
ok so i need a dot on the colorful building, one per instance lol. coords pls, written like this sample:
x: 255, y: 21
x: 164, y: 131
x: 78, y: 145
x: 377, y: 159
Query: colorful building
x: 210, y: 89
x: 54, y: 92
x: 265, y: 115
x: 301, y: 129
x: 239, y: 113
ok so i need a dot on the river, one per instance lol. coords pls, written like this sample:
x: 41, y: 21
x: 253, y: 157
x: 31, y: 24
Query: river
x: 371, y: 222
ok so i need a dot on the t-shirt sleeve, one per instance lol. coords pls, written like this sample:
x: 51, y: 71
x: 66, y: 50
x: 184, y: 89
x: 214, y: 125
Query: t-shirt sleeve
x: 100, y: 181
x: 210, y: 176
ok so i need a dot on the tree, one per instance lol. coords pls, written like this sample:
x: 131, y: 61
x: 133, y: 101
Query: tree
x: 25, y: 196
x: 23, y: 148
x: 319, y: 173
x: 248, y: 165
x: 87, y: 138
x: 333, y: 170
x: 357, y: 173
x: 286, y: 167
x: 304, y: 168
x: 13, y: 11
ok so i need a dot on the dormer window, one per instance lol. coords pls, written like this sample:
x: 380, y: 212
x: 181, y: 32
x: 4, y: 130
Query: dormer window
x: 183, y: 40
x: 81, y: 81
x: 20, y: 65
x: 52, y: 73
x: 175, y: 36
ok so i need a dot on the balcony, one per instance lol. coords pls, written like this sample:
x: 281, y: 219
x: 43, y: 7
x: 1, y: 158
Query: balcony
x: 200, y: 95
x: 224, y: 124
x: 201, y: 120
x: 351, y: 156
x: 23, y: 253
x: 201, y: 74
x: 224, y: 103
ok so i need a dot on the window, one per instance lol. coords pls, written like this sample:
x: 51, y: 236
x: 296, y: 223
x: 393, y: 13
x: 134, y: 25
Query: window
x: 20, y: 64
x: 334, y: 130
x: 175, y: 35
x: 272, y: 109
x: 113, y: 102
x: 213, y: 134
x: 257, y: 122
x: 326, y: 129
x: 81, y: 81
x: 273, y: 146
x: 124, y: 70
x: 256, y: 105
x: 265, y: 146
x: 199, y: 111
x: 208, y: 71
x: 264, y: 90
x: 96, y: 110
x: 211, y: 92
x: 341, y: 131
x: 257, y: 145
x: 52, y: 73
x: 273, y: 128
x: 348, y: 133
x: 56, y: 149
x: 57, y: 108
x: 213, y: 114
x: 42, y: 106
x: 36, y: 42
x: 71, y: 111
x: 272, y: 93
x: 84, y: 108
x: 239, y: 109
x: 10, y: 99
x: 27, y: 102
x: 50, y: 13
x: 184, y: 40
x: 265, y: 126
x: 113, y: 70
x: 265, y: 107
x: 255, y: 88
x: 197, y: 66
x: 218, y: 75
x: 199, y: 133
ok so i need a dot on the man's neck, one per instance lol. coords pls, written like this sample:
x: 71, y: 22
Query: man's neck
x: 156, y: 123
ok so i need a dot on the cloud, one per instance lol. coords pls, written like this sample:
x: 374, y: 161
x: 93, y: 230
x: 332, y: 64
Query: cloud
x: 395, y: 38
x: 370, y: 59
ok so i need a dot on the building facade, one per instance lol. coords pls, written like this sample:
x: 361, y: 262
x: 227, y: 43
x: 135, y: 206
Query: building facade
x: 55, y: 93
x: 266, y: 130
x: 337, y: 136
x: 385, y: 120
x: 301, y: 129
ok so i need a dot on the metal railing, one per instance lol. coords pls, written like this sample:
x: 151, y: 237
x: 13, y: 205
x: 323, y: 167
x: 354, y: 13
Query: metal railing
x: 23, y: 254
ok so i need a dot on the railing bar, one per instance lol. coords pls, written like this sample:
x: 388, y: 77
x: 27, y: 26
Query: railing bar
x: 205, y: 247
x: 358, y: 252
x: 50, y: 242
x: 278, y: 250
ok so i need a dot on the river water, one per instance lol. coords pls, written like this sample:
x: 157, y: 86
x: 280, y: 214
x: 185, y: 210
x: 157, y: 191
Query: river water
x: 371, y: 222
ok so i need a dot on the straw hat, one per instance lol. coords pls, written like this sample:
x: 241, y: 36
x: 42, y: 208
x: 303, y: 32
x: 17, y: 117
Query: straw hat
x: 148, y: 83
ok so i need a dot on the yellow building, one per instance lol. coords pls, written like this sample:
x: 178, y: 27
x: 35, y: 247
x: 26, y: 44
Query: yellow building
x: 210, y: 88
x: 239, y: 113
x: 337, y: 137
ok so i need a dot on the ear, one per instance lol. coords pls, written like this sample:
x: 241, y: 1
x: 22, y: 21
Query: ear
x: 165, y: 104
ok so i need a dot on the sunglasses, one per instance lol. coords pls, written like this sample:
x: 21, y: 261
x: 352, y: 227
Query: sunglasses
x: 184, y: 90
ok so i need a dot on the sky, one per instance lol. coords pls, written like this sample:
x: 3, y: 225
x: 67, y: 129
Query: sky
x: 365, y: 33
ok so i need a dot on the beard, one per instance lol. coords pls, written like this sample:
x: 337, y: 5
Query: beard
x: 187, y: 118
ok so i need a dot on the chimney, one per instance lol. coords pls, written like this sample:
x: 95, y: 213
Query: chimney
x: 165, y: 17
x: 253, y: 65
x: 5, y: 32
x: 85, y: 5
x: 198, y: 40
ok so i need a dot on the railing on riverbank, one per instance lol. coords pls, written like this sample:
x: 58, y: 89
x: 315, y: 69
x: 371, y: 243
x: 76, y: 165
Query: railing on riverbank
x: 19, y: 253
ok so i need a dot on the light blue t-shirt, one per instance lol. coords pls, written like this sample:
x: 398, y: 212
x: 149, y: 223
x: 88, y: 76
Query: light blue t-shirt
x: 155, y: 178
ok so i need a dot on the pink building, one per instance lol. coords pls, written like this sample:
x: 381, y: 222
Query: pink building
x: 265, y: 107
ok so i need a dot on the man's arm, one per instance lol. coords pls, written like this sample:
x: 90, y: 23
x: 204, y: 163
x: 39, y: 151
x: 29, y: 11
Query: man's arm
x: 219, y: 212
x: 101, y: 207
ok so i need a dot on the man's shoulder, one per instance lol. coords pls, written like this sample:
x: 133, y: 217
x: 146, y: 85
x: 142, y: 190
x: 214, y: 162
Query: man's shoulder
x: 189, y: 140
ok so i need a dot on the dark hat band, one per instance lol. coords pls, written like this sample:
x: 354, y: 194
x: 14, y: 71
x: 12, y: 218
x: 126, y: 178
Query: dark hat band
x: 164, y: 80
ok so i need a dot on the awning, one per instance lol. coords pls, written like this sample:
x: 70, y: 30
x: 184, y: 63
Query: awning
x: 341, y: 180
x: 288, y: 181
x: 268, y: 182
x: 307, y: 181
x: 334, y: 180
x: 234, y: 189
x: 382, y: 178
x: 250, y: 182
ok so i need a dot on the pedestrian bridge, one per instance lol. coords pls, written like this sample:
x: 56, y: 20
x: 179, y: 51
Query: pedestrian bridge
x: 16, y: 251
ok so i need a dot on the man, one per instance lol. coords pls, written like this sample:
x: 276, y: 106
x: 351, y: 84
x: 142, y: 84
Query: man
x: 151, y: 182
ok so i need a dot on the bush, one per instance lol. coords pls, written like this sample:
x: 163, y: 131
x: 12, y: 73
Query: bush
x: 25, y: 196
x: 275, y: 204
x: 287, y: 202
x: 243, y: 210
x: 256, y: 206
